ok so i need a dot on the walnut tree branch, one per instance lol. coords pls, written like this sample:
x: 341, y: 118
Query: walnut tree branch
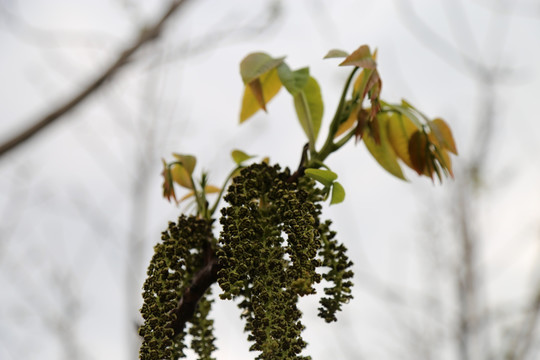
x: 202, y: 280
x: 149, y: 33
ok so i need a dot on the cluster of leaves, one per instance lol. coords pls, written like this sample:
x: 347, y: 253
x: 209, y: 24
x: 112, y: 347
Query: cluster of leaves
x: 272, y: 242
x: 391, y: 132
x: 180, y: 172
x: 176, y: 259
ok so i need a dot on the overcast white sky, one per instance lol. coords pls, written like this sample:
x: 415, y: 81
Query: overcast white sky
x: 70, y: 199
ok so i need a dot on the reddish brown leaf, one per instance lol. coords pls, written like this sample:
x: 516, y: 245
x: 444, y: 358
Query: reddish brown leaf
x: 362, y: 121
x: 257, y: 91
x: 375, y: 129
x: 418, y: 152
x: 361, y: 57
x: 168, y: 186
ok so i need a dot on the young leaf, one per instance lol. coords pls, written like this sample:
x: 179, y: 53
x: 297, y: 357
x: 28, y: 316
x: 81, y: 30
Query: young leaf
x: 181, y: 176
x: 361, y: 57
x: 188, y: 161
x: 309, y: 109
x: 255, y: 65
x: 349, y: 123
x: 400, y: 129
x: 239, y: 156
x: 211, y: 189
x: 325, y: 177
x: 168, y: 186
x: 336, y: 53
x: 418, y: 152
x: 444, y: 160
x: 256, y: 97
x: 256, y: 89
x: 443, y: 134
x: 383, y: 151
x: 338, y: 193
x: 294, y: 81
x: 408, y: 110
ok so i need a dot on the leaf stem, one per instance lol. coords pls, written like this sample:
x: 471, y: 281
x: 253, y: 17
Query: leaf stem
x: 345, y: 139
x: 214, y: 207
x: 329, y: 145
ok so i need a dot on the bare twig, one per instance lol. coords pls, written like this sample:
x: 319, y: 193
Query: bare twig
x: 146, y: 35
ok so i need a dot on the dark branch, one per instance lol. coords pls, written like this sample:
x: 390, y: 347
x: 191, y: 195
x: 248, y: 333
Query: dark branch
x: 302, y: 166
x: 147, y: 35
x: 202, y: 280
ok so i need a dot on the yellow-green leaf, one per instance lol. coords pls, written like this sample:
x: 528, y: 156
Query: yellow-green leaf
x: 444, y: 160
x: 188, y: 161
x: 269, y: 87
x: 383, y: 151
x: 361, y: 57
x: 255, y: 65
x: 181, y: 176
x: 400, y: 129
x: 309, y: 109
x: 211, y: 189
x: 325, y: 177
x: 336, y: 53
x: 239, y: 156
x: 294, y: 81
x: 443, y: 134
x: 338, y: 193
x: 349, y: 123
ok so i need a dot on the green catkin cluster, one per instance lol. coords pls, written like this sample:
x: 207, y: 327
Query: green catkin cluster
x: 272, y: 243
x: 175, y: 261
x: 333, y: 257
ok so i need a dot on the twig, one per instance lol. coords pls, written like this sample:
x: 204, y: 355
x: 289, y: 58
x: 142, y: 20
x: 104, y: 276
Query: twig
x: 202, y: 280
x: 302, y: 166
x: 146, y: 35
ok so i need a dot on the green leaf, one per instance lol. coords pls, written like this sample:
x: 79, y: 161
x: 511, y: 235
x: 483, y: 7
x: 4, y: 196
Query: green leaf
x: 255, y: 65
x: 338, y: 193
x: 383, y: 151
x: 361, y: 57
x: 325, y: 177
x: 294, y: 81
x: 239, y: 156
x: 309, y: 109
x: 256, y: 96
x: 336, y: 53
